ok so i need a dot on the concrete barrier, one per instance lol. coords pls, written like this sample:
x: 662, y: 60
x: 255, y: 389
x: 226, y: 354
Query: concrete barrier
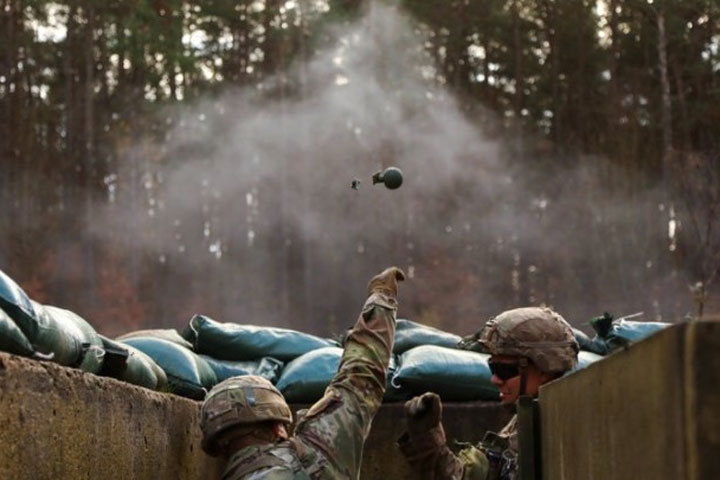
x: 63, y: 424
x: 651, y: 411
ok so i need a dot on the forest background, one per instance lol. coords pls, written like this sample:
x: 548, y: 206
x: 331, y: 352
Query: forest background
x: 164, y: 158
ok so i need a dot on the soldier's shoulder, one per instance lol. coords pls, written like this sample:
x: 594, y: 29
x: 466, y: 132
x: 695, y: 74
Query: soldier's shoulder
x: 276, y: 462
x: 272, y: 473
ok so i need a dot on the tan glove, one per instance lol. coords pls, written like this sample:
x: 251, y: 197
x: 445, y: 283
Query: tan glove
x: 423, y: 413
x: 386, y: 282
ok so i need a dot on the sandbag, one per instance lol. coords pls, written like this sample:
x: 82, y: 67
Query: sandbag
x: 410, y: 334
x: 127, y: 363
x: 628, y: 331
x: 613, y: 334
x: 595, y: 345
x: 92, y: 360
x: 455, y: 375
x: 586, y: 358
x: 15, y: 302
x: 69, y: 333
x: 169, y: 334
x: 52, y: 341
x: 187, y: 374
x: 231, y: 341
x: 305, y: 379
x: 267, y: 367
x: 144, y: 371
x: 12, y: 339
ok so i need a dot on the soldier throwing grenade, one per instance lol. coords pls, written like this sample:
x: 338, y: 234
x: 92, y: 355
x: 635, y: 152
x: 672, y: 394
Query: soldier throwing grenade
x: 244, y: 418
x: 528, y: 347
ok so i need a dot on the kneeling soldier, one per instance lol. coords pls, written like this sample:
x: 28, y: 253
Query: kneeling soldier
x: 245, y: 419
x: 528, y: 347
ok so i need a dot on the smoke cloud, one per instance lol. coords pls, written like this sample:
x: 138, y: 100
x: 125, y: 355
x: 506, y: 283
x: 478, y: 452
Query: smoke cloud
x: 250, y: 217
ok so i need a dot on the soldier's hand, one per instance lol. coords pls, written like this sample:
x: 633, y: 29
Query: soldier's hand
x: 423, y: 412
x: 386, y: 281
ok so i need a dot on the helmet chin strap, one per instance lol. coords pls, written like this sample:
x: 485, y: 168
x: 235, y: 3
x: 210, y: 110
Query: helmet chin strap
x: 523, y: 364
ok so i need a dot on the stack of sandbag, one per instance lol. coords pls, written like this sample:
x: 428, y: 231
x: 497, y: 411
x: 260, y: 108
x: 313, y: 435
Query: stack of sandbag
x: 423, y: 359
x: 187, y: 372
x: 231, y: 349
x: 53, y: 333
x: 61, y: 336
x: 208, y: 352
x: 131, y: 365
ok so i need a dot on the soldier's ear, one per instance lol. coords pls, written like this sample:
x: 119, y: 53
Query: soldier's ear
x: 280, y: 431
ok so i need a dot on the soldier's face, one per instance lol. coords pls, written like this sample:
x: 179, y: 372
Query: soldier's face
x: 510, y: 387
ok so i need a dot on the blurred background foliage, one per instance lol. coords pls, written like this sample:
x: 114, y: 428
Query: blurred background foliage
x: 87, y: 89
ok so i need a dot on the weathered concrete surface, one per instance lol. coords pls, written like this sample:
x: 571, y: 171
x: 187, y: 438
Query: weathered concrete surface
x: 62, y: 424
x: 651, y: 411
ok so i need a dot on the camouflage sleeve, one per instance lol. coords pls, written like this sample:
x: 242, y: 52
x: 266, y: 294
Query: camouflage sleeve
x: 431, y: 459
x: 338, y: 424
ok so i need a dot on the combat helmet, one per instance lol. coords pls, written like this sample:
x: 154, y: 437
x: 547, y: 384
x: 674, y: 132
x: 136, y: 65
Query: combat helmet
x: 240, y: 401
x: 537, y: 333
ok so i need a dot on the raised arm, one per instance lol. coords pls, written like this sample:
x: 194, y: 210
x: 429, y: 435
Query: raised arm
x: 425, y: 448
x: 339, y: 423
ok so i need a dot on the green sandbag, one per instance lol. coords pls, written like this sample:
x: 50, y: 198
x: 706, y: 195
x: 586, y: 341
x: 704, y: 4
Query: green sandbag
x: 305, y: 379
x: 142, y: 370
x: 169, y: 334
x: 12, y: 340
x: 410, y: 334
x: 129, y: 364
x: 455, y: 375
x: 231, y: 341
x: 67, y: 332
x: 62, y: 345
x: 93, y: 358
x: 15, y: 302
x: 188, y: 374
x: 267, y: 367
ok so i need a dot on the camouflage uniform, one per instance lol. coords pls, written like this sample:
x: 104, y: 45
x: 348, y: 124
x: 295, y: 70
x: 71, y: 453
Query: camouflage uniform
x: 493, y: 459
x: 538, y: 334
x: 328, y: 440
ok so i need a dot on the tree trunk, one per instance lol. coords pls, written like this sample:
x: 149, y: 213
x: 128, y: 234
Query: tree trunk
x: 666, y: 105
x: 88, y: 149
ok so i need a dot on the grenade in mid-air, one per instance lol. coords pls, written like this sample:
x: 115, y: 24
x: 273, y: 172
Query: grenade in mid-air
x: 391, y: 177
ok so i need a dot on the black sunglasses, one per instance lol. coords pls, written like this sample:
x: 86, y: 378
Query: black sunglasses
x: 504, y: 371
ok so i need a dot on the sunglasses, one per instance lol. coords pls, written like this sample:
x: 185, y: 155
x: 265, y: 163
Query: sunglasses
x: 504, y: 371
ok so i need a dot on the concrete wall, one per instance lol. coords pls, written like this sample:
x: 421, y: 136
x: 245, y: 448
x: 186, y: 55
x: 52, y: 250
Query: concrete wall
x: 62, y: 424
x: 651, y: 411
